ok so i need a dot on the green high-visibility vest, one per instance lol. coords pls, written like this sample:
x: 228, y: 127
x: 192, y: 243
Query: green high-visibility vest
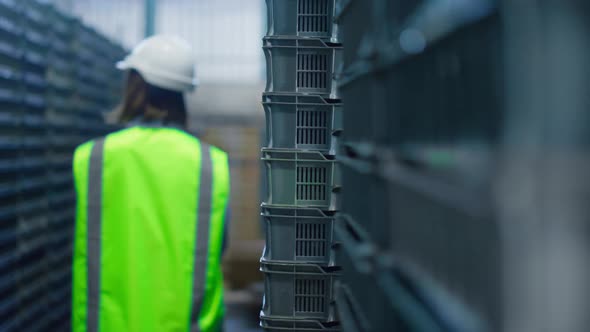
x: 149, y: 227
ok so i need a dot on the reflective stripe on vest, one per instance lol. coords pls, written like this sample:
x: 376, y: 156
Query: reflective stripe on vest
x: 202, y: 245
x: 213, y: 179
x: 93, y: 232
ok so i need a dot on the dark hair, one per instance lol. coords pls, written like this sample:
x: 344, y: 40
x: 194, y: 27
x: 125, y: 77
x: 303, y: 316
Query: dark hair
x: 150, y: 103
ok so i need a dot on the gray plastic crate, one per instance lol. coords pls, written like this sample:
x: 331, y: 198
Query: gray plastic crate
x: 303, y: 65
x: 302, y: 122
x: 455, y: 106
x: 357, y: 167
x: 384, y: 293
x: 10, y: 22
x: 298, y: 235
x: 36, y: 14
x: 303, y: 18
x: 363, y: 97
x: 269, y: 324
x: 35, y: 39
x: 11, y: 6
x: 301, y: 179
x: 303, y: 291
x: 440, y: 214
x: 356, y: 20
x: 357, y: 294
x: 62, y: 25
x: 363, y: 306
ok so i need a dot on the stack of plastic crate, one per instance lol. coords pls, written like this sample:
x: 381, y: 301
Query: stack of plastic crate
x: 303, y: 122
x: 11, y: 161
x: 33, y: 232
x: 42, y: 120
x: 413, y: 205
x: 95, y: 90
x: 81, y: 90
x: 62, y: 133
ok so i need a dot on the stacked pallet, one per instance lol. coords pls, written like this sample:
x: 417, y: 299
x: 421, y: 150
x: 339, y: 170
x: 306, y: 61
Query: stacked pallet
x: 303, y: 123
x: 44, y: 116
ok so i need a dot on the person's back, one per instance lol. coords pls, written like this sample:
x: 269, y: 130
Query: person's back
x: 149, y: 229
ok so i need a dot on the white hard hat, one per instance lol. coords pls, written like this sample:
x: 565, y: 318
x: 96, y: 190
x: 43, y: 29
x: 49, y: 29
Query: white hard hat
x: 163, y: 61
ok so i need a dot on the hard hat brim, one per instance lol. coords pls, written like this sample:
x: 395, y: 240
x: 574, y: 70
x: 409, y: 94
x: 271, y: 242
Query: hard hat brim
x: 122, y: 65
x: 185, y: 86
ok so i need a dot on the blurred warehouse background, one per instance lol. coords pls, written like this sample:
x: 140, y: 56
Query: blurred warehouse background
x: 83, y: 39
x: 225, y: 109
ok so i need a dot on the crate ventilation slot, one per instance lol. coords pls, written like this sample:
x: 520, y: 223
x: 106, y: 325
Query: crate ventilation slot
x: 312, y: 70
x: 313, y: 16
x: 310, y: 295
x: 311, y: 239
x: 311, y: 183
x: 312, y: 127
